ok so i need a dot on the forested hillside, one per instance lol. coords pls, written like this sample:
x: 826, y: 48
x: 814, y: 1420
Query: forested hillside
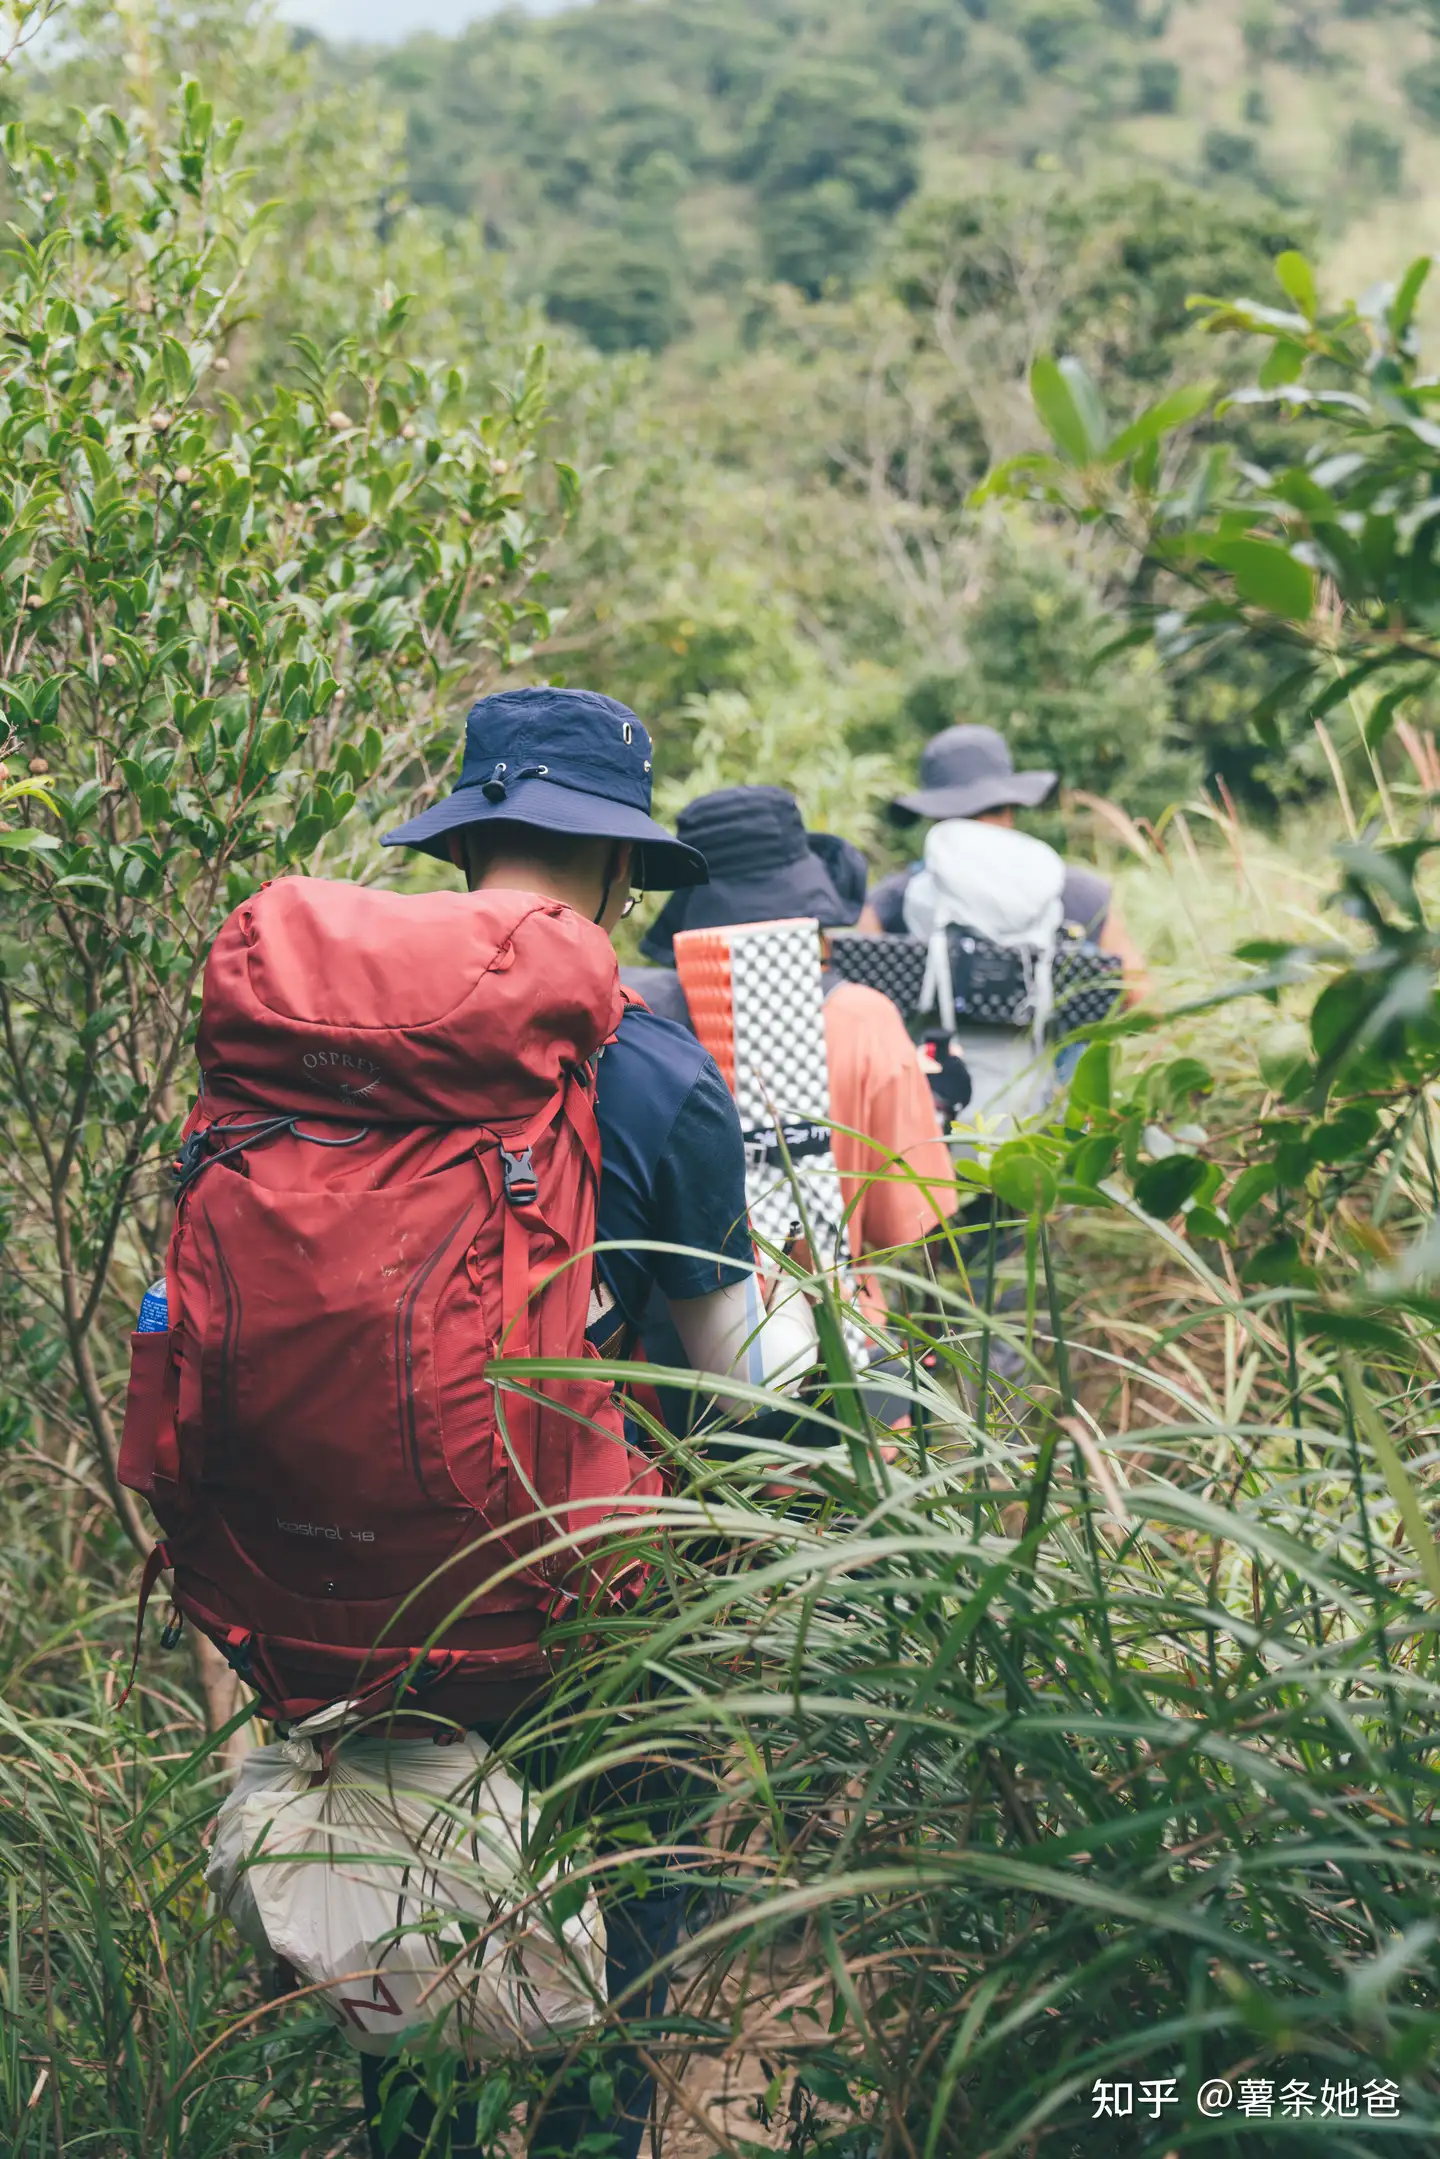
x: 818, y: 246
x: 641, y: 158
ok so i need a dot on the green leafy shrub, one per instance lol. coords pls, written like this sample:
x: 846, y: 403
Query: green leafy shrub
x: 1226, y: 153
x: 621, y: 290
x: 234, y: 631
x: 832, y: 124
x: 1157, y: 86
x: 1053, y: 32
x: 1422, y: 90
x: 1375, y: 157
x: 816, y: 238
x: 1119, y: 263
x: 1033, y: 634
x: 931, y: 44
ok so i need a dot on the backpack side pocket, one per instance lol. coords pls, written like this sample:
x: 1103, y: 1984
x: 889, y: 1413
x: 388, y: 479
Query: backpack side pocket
x: 147, y: 1443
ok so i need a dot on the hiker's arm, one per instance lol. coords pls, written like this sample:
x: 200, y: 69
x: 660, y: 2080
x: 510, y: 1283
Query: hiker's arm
x: 883, y: 914
x: 731, y: 1333
x: 1115, y: 938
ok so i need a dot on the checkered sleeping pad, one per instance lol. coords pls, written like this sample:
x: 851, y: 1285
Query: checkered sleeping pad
x: 782, y: 1078
x: 893, y: 965
x: 773, y: 1051
x: 989, y: 981
x: 1087, y: 985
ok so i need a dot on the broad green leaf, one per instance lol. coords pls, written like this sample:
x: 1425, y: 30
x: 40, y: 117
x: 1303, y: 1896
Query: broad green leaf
x: 1020, y: 477
x: 1381, y: 717
x: 1162, y: 1188
x: 1093, y: 1159
x: 1090, y: 1081
x: 305, y: 834
x: 568, y: 1900
x: 1292, y: 1162
x: 1336, y: 1015
x: 196, y: 723
x: 1088, y: 403
x: 1277, y: 1265
x: 1159, y: 419
x: 1357, y: 1330
x: 1269, y: 576
x: 276, y: 746
x: 1297, y: 486
x: 1022, y: 1179
x: 1342, y: 687
x: 1250, y: 315
x: 175, y: 366
x: 1402, y: 307
x: 1345, y: 1135
x: 1298, y: 279
x: 1055, y: 402
x: 1250, y: 1187
x: 1284, y: 363
x: 1174, y: 1083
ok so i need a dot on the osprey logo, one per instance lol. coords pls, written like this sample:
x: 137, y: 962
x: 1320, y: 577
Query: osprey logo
x: 366, y: 1076
x: 330, y: 1530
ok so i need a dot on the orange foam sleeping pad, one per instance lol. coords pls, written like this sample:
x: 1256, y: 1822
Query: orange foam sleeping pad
x: 702, y: 961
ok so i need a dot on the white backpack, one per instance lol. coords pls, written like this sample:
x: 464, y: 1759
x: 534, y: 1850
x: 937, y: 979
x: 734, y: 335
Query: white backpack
x: 1006, y: 890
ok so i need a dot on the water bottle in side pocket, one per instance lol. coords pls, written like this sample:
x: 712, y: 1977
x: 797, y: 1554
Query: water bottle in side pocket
x: 154, y: 1310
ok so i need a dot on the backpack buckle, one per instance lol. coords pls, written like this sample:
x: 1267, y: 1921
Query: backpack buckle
x: 238, y: 1650
x: 522, y: 1186
x: 191, y: 1159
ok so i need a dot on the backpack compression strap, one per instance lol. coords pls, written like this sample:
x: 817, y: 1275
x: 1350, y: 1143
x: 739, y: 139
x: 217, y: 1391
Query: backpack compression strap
x: 519, y: 1192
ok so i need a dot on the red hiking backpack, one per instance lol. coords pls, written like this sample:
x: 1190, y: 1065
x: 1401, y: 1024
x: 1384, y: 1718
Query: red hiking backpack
x: 388, y: 1181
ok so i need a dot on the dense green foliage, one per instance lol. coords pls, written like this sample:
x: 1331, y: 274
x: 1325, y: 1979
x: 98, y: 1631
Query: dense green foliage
x: 731, y: 136
x: 225, y: 623
x: 837, y: 236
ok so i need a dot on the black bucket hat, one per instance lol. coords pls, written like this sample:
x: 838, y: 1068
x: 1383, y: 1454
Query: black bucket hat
x: 567, y: 761
x: 966, y: 771
x: 764, y: 866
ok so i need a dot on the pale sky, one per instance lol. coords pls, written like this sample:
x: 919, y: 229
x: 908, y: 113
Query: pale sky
x: 387, y: 19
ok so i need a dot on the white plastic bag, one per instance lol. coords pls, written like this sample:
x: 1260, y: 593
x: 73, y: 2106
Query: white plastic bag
x: 398, y: 1883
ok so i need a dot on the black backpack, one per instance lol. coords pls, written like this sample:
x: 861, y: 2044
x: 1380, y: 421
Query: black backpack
x: 990, y: 982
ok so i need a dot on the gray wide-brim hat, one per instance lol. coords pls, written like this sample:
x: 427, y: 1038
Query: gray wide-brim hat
x: 967, y: 771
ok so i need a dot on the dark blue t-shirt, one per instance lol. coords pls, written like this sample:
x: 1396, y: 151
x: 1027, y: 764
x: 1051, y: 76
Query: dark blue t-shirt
x: 673, y: 1169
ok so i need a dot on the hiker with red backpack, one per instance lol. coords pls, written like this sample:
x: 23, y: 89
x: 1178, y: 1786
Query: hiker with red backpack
x: 419, y: 1117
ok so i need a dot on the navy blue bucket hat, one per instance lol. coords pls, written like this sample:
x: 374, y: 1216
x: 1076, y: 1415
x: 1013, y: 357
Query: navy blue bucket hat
x: 764, y: 866
x: 568, y: 761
